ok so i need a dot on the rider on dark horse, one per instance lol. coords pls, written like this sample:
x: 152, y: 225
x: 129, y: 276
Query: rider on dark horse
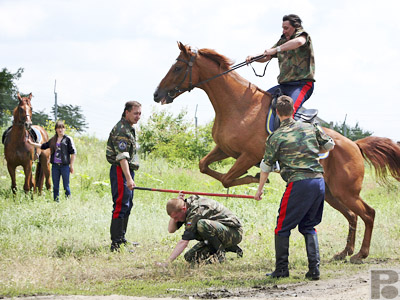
x: 295, y: 55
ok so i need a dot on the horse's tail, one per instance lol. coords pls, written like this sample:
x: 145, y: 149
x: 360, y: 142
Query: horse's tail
x: 383, y: 154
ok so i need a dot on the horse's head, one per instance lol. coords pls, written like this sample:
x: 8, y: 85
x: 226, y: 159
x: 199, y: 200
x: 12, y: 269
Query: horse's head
x: 179, y: 78
x: 23, y: 112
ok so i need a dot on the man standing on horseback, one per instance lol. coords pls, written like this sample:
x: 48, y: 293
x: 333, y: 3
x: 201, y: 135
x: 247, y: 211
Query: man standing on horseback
x: 295, y: 55
x: 296, y: 146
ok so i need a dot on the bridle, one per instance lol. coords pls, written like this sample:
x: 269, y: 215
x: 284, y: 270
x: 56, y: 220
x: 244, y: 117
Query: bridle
x: 21, y: 121
x: 172, y: 94
x: 189, y: 64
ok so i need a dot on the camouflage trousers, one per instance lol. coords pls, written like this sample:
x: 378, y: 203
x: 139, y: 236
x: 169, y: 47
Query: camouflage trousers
x: 228, y: 236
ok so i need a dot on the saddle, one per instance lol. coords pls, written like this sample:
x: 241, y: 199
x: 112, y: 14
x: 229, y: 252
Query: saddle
x: 33, y: 133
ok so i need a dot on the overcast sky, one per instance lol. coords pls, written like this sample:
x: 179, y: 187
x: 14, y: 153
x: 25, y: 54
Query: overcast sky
x: 104, y: 53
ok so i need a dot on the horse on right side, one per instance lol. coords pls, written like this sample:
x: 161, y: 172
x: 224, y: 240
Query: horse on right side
x: 239, y: 132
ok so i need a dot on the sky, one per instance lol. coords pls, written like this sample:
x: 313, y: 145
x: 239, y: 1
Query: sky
x: 101, y: 54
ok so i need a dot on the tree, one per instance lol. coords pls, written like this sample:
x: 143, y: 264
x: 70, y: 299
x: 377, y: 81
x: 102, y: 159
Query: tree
x: 353, y: 133
x: 8, y: 94
x: 72, y: 115
x: 40, y: 118
x: 173, y: 137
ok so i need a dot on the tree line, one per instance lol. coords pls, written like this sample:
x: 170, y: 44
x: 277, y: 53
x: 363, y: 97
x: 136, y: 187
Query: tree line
x: 72, y: 115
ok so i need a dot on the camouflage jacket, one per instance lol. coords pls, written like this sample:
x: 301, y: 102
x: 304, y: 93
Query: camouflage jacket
x: 297, y: 64
x: 121, y: 145
x: 204, y: 208
x: 296, y: 146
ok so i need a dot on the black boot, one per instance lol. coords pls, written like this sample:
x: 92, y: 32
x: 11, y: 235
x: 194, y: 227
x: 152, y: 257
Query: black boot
x: 216, y: 246
x: 235, y: 249
x: 312, y: 248
x: 117, y: 233
x: 125, y: 225
x: 282, y: 257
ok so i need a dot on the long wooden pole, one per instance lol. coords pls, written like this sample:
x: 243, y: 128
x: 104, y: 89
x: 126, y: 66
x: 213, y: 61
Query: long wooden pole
x: 194, y: 193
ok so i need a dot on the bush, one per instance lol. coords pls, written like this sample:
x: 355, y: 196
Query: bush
x: 166, y: 136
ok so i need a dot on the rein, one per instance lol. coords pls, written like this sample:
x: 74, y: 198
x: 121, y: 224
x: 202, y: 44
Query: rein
x: 20, y: 121
x: 190, y: 63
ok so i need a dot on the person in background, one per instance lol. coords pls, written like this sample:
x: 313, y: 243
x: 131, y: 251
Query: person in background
x: 121, y: 153
x: 295, y: 54
x: 216, y: 228
x: 63, y: 153
x: 296, y: 146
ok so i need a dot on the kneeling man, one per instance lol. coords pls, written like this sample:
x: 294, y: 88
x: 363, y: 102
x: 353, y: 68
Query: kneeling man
x: 215, y: 227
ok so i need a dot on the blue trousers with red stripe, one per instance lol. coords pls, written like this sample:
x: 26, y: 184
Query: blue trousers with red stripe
x: 299, y: 91
x: 122, y: 196
x: 302, y: 205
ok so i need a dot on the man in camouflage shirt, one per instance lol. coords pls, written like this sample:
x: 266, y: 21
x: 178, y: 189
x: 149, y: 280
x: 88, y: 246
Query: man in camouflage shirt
x: 295, y: 55
x: 215, y: 227
x: 121, y: 154
x: 296, y: 146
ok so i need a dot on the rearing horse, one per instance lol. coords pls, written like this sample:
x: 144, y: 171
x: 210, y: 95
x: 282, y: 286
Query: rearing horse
x: 18, y: 152
x: 239, y: 132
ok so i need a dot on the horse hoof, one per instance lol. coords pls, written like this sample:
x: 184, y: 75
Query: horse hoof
x: 356, y: 259
x: 340, y: 256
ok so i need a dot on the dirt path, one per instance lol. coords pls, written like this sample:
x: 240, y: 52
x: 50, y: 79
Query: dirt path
x: 356, y: 287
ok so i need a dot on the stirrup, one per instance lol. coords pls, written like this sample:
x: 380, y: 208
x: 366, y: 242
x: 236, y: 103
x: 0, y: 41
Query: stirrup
x: 306, y: 115
x: 276, y: 167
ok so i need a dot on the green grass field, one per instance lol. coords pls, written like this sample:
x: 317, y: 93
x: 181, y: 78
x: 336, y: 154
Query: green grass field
x: 63, y: 248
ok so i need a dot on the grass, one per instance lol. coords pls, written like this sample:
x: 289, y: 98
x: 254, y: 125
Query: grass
x: 63, y: 248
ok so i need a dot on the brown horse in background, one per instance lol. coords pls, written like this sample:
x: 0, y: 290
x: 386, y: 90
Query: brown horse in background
x: 18, y: 152
x: 239, y: 132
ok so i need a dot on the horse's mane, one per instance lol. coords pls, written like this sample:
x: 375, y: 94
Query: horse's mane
x: 224, y: 62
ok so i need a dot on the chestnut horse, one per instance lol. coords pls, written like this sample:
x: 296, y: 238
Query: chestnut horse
x: 239, y: 132
x: 18, y: 152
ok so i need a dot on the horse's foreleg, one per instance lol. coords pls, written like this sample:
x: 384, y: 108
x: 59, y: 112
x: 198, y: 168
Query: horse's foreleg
x: 11, y: 171
x: 351, y: 218
x: 215, y: 155
x: 240, y: 167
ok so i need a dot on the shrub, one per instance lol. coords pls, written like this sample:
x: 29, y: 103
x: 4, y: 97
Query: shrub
x: 170, y: 137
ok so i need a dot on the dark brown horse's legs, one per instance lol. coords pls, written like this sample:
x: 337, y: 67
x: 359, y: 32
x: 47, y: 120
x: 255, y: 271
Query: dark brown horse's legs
x: 11, y: 170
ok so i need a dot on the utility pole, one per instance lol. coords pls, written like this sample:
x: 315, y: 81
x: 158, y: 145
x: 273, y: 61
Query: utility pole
x: 55, y: 102
x: 195, y: 121
x: 344, y: 126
